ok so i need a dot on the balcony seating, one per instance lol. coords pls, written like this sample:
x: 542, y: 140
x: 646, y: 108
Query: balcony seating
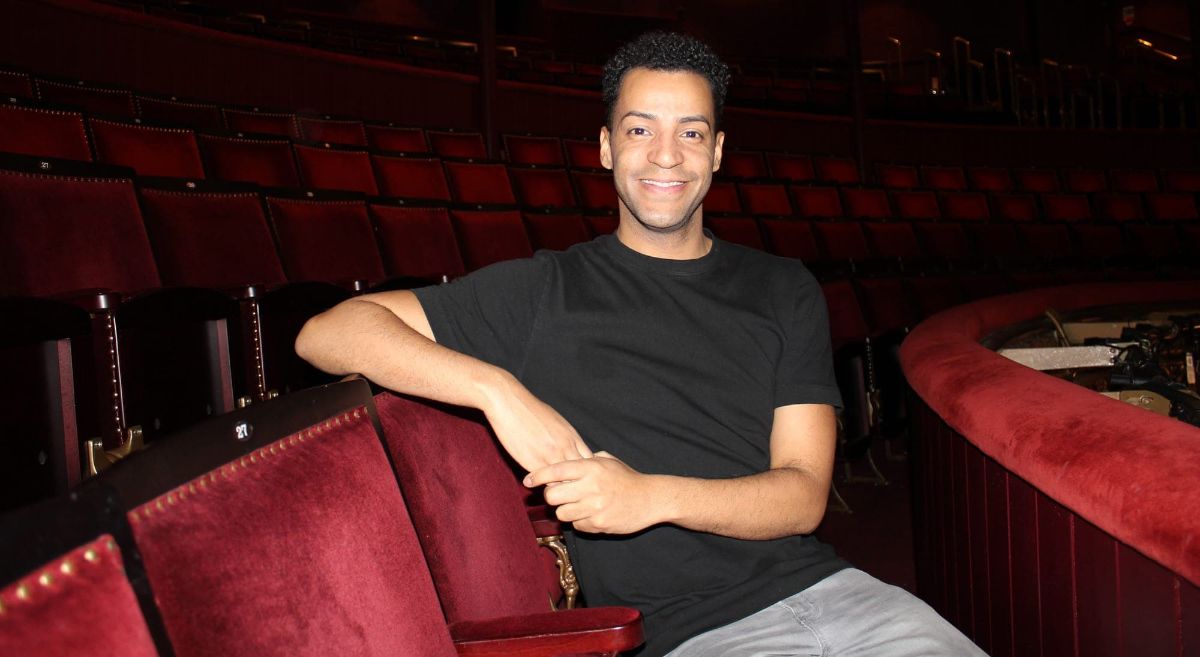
x: 490, y: 236
x: 324, y: 166
x: 411, y: 177
x: 326, y: 129
x: 106, y: 101
x: 325, y: 236
x: 148, y: 150
x: 44, y: 132
x: 255, y: 121
x: 262, y: 160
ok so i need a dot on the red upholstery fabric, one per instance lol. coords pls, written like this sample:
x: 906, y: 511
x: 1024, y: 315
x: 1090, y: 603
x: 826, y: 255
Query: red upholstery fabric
x: 1066, y: 207
x: 267, y: 162
x: 582, y: 153
x: 767, y: 199
x: 1037, y: 180
x: 303, y: 548
x: 214, y: 240
x: 595, y: 189
x: 487, y: 237
x: 842, y: 241
x: 86, y: 607
x: 742, y: 164
x: 739, y: 230
x: 1119, y: 207
x: 1182, y: 180
x: 150, y: 151
x: 477, y: 182
x: 912, y: 205
x: 411, y: 177
x: 328, y: 241
x: 263, y: 123
x: 496, y: 569
x: 897, y: 176
x: 13, y: 83
x: 788, y: 166
x: 893, y: 240
x: 1134, y: 474
x: 846, y: 321
x: 456, y: 144
x: 722, y: 197
x: 95, y: 100
x: 348, y: 132
x: 171, y: 111
x: 417, y: 241
x: 46, y: 133
x: 944, y: 240
x: 607, y: 630
x: 323, y: 167
x: 1085, y: 181
x: 557, y: 231
x: 61, y: 234
x: 1014, y: 207
x: 530, y: 149
x: 792, y: 239
x: 539, y: 187
x: 989, y: 179
x: 601, y: 224
x: 816, y: 202
x: 1134, y: 180
x: 1172, y: 206
x: 944, y: 178
x: 964, y: 206
x: 886, y: 305
x: 840, y: 170
x: 396, y: 139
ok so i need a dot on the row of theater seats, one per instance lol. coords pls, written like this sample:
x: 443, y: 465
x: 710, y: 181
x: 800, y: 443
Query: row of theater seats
x: 307, y: 525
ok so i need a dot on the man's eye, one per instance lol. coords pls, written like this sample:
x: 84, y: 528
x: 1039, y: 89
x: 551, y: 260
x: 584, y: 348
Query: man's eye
x: 637, y: 131
x: 692, y: 134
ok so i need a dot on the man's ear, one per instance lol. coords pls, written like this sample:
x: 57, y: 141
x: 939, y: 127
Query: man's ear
x: 720, y: 145
x: 605, y: 148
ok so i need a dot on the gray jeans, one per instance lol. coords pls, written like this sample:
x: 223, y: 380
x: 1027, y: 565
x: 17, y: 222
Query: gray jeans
x: 847, y: 613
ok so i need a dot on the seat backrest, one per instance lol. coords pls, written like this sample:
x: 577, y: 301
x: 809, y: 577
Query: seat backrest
x: 490, y: 236
x: 72, y: 583
x: 1085, y: 181
x: 411, y: 177
x: 582, y: 153
x: 847, y: 324
x: 456, y: 144
x: 264, y: 161
x: 1172, y: 206
x: 91, y: 98
x: 530, y: 149
x: 722, y: 197
x: 1037, y: 180
x: 944, y: 178
x: 396, y: 139
x: 742, y: 165
x: 595, y: 189
x: 897, y: 176
x: 1119, y: 207
x: 254, y: 121
x: 791, y: 239
x: 989, y: 179
x: 739, y: 230
x: 43, y: 132
x: 280, y: 529
x: 148, y: 150
x: 542, y: 187
x: 893, y: 240
x: 323, y: 166
x: 912, y: 204
x: 347, y: 132
x: 1066, y: 207
x: 765, y: 199
x: 479, y: 182
x: 791, y: 167
x: 816, y: 202
x: 839, y: 170
x: 417, y: 241
x: 190, y: 228
x: 325, y: 238
x: 1014, y: 207
x: 183, y: 113
x: 842, y: 241
x: 556, y: 230
x: 480, y: 547
x: 16, y: 83
x: 1134, y: 180
x: 68, y: 226
x: 964, y: 206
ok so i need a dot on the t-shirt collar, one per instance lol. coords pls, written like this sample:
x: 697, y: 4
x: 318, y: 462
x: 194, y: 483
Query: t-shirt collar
x: 666, y: 266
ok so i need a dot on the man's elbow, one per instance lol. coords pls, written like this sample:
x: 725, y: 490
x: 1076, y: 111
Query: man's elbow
x: 308, y: 340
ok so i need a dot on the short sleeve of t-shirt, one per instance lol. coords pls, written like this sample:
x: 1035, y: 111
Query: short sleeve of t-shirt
x: 804, y: 374
x: 490, y: 313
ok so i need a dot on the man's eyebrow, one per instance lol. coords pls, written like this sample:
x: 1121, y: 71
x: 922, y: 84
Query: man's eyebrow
x: 697, y: 118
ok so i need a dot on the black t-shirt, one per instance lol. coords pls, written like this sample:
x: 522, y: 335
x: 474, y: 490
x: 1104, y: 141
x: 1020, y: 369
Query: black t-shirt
x: 675, y: 367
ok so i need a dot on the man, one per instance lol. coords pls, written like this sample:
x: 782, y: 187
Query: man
x: 672, y: 392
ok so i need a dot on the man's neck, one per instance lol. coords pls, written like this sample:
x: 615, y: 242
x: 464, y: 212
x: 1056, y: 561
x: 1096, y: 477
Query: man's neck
x: 688, y: 243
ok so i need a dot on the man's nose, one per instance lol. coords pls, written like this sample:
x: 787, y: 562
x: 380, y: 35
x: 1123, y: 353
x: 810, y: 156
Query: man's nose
x: 665, y: 152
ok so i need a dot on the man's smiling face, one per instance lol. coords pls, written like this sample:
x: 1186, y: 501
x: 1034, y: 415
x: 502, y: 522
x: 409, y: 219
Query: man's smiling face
x: 663, y: 148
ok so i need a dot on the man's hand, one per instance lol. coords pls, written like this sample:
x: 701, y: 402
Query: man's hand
x: 598, y: 495
x: 533, y: 433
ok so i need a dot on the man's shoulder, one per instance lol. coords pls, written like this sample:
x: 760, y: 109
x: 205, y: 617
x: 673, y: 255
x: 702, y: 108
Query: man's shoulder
x: 753, y: 262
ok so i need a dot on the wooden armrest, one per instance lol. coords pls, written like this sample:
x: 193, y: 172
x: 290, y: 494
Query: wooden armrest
x: 603, y: 630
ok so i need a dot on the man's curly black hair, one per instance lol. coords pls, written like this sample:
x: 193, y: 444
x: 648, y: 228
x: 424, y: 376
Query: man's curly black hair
x: 665, y: 51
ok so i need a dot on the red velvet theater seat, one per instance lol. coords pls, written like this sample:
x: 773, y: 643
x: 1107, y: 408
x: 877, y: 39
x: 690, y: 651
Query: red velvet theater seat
x: 791, y: 239
x: 417, y: 241
x: 1037, y: 180
x: 411, y: 177
x: 739, y: 230
x: 873, y: 203
x: 582, y: 153
x: 1051, y: 244
x: 324, y: 166
x: 542, y: 187
x: 791, y: 167
x: 396, y: 139
x: 932, y: 294
x: 1085, y: 181
x: 556, y: 230
x: 595, y: 189
x: 183, y: 113
x: 325, y: 237
x: 1172, y: 206
x: 264, y: 161
x: 1068, y: 208
x: 1181, y: 180
x: 532, y: 149
x: 255, y: 121
x: 843, y: 244
x: 894, y: 242
x: 990, y: 179
x: 148, y: 150
x: 1119, y: 207
x: 944, y: 178
x: 601, y: 224
x: 838, y: 170
x: 722, y: 197
x: 43, y: 132
x: 66, y: 582
x: 945, y: 242
x: 816, y: 202
x: 16, y: 83
x: 999, y: 245
x: 911, y: 205
x: 326, y: 129
x: 1100, y: 245
x: 105, y: 101
x: 765, y: 199
x: 742, y: 165
x: 897, y: 176
x: 456, y: 144
x: 490, y: 236
x: 964, y: 206
x: 1134, y: 180
x: 1015, y: 208
x: 484, y: 183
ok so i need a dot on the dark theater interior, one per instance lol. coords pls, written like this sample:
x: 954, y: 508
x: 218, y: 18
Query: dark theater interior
x: 999, y: 199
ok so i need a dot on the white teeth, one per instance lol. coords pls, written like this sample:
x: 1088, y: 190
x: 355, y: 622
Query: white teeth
x: 657, y: 183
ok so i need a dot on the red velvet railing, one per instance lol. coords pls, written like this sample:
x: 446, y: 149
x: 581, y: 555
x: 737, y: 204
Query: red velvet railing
x: 1050, y: 519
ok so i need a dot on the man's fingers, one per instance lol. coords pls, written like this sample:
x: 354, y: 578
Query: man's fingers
x: 563, y: 471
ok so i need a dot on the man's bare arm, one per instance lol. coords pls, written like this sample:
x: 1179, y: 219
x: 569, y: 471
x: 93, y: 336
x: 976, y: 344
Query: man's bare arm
x: 387, y: 338
x: 605, y: 495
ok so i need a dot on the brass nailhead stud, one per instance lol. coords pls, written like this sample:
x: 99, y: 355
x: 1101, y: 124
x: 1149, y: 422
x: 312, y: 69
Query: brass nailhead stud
x: 171, y: 498
x: 159, y: 505
x: 22, y: 592
x: 67, y: 567
x: 91, y: 555
x: 45, y: 579
x: 111, y: 545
